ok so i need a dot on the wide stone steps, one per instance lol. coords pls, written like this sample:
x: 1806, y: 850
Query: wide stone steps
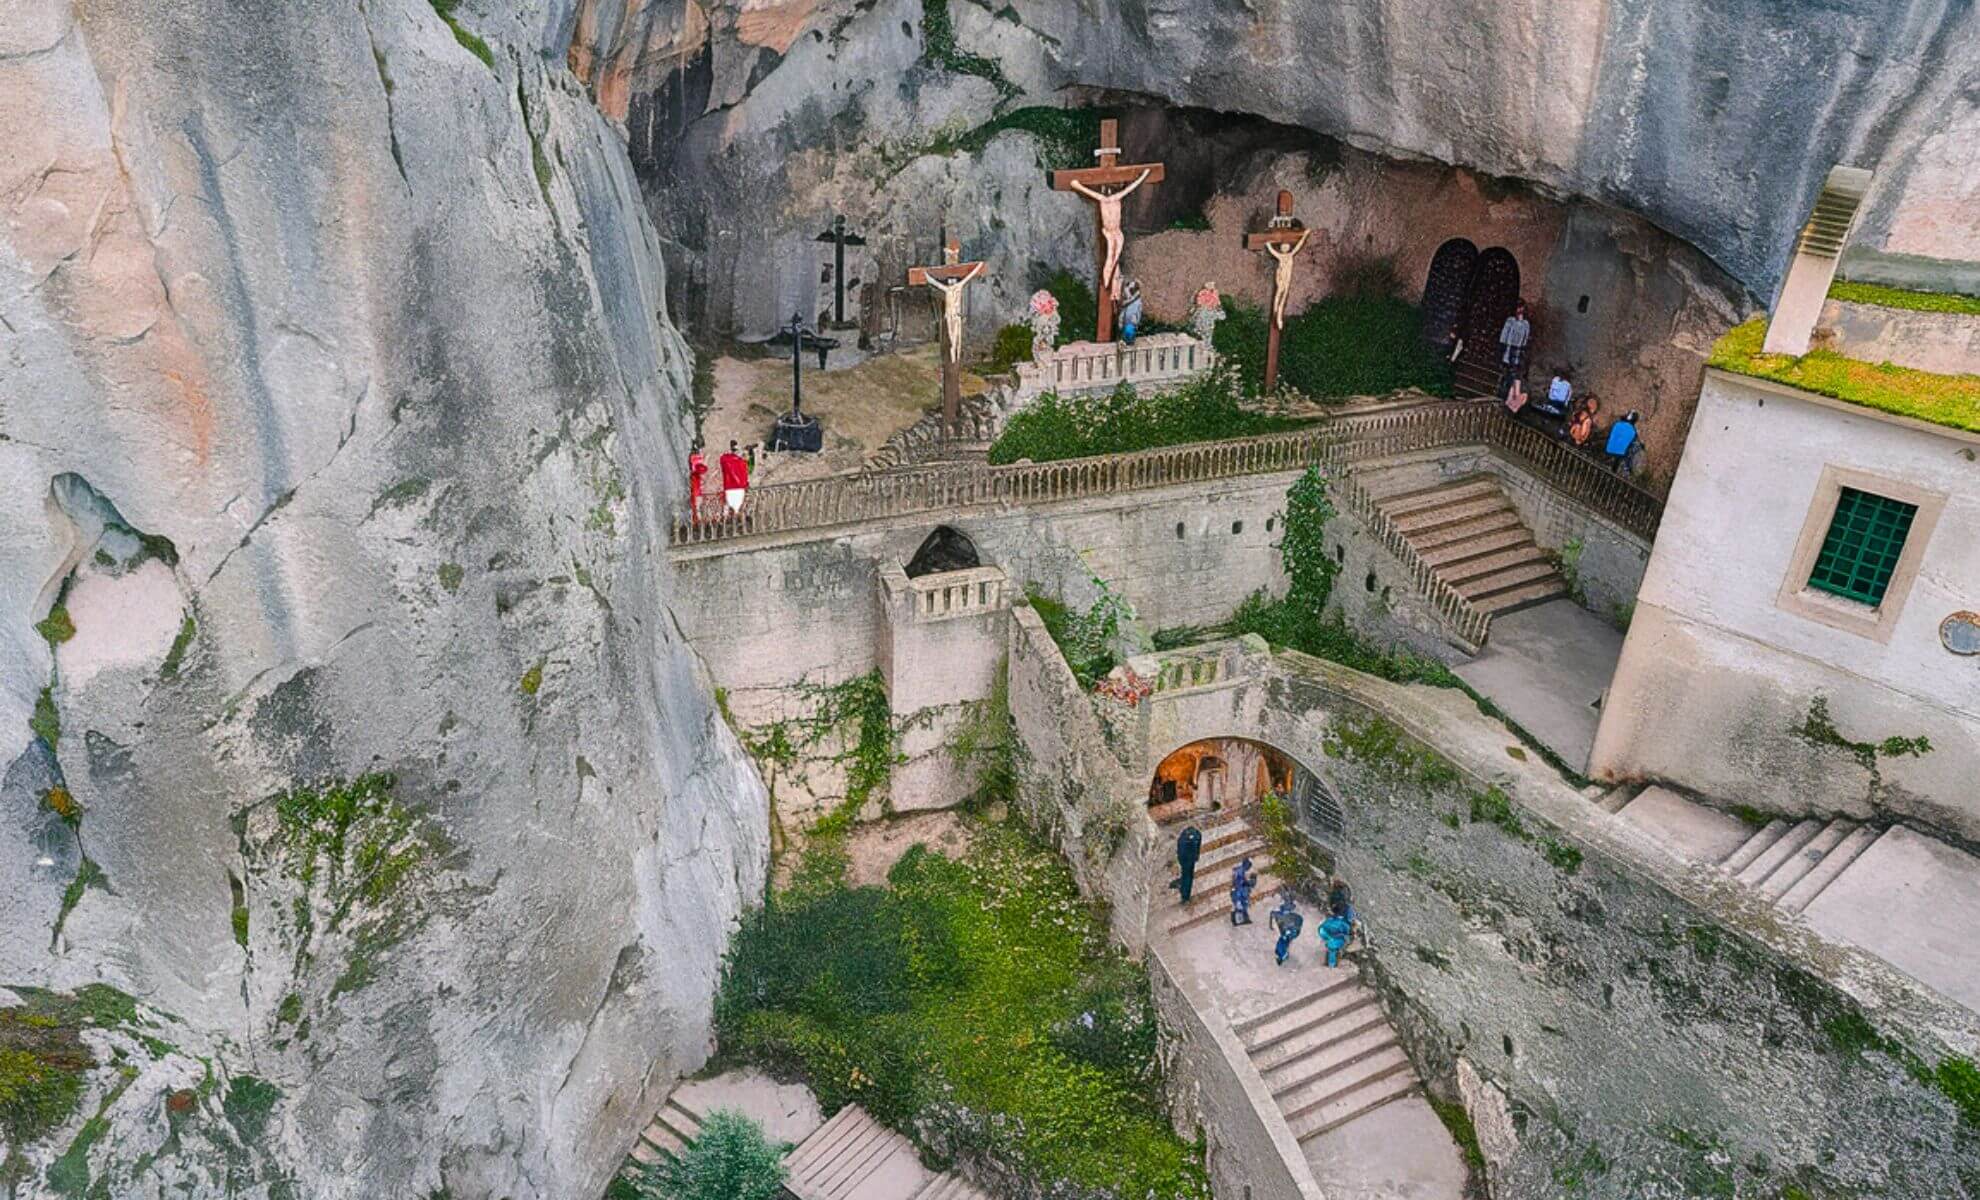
x: 1792, y: 862
x: 1213, y: 903
x: 1469, y: 533
x: 1490, y: 540
x: 854, y: 1157
x: 1329, y: 1056
x: 1230, y: 854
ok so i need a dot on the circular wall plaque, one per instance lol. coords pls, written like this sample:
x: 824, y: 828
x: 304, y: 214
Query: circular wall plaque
x: 1961, y: 633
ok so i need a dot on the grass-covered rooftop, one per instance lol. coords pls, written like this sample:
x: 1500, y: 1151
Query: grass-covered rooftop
x: 1890, y: 297
x: 1949, y: 400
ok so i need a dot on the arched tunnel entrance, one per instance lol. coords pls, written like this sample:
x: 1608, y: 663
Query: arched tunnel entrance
x: 1214, y: 774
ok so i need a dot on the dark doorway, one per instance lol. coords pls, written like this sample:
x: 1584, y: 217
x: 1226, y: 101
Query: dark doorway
x: 1446, y: 287
x: 944, y: 550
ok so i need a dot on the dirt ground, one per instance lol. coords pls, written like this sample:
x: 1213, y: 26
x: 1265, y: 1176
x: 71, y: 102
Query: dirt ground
x: 862, y: 405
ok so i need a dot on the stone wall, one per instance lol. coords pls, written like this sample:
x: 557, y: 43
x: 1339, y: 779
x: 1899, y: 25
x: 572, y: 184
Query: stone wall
x: 1727, y: 659
x: 762, y: 615
x: 1216, y: 1094
x: 1617, y: 1023
x: 1943, y: 343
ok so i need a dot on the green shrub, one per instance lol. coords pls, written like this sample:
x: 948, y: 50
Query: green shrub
x: 1205, y: 409
x: 1068, y: 136
x: 249, y: 1103
x: 1344, y: 345
x: 973, y: 1004
x: 1013, y: 346
x: 1079, y: 308
x: 729, y: 1160
x: 1086, y: 637
x: 57, y: 627
x: 46, y: 722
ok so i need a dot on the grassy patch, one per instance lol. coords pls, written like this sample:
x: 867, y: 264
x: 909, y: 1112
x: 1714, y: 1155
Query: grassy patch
x: 1205, y: 409
x: 1890, y: 297
x: 474, y: 45
x: 1344, y: 345
x: 240, y: 920
x: 1463, y: 1132
x: 45, y: 722
x: 354, y: 834
x: 1959, y: 1080
x: 43, y: 1058
x: 1950, y: 400
x: 176, y: 656
x: 88, y: 875
x: 249, y: 1103
x: 976, y: 1005
x: 1068, y: 136
x: 57, y: 627
x: 1086, y: 637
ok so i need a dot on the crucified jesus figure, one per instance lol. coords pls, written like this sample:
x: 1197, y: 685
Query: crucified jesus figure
x: 1282, y: 276
x: 952, y: 314
x: 1110, y: 228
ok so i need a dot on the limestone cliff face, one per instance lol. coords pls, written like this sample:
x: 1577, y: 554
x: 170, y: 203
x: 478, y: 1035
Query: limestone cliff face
x: 339, y: 415
x: 1714, y: 122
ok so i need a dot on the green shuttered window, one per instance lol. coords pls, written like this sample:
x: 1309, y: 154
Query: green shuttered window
x: 1865, y: 538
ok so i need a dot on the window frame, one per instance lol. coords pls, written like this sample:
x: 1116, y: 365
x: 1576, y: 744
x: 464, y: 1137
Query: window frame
x: 1879, y: 621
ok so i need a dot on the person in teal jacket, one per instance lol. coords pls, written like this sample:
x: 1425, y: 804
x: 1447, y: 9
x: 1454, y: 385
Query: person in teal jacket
x: 1334, y: 932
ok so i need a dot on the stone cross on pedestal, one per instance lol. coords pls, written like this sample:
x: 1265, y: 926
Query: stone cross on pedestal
x: 949, y: 280
x: 1283, y: 238
x: 1107, y: 185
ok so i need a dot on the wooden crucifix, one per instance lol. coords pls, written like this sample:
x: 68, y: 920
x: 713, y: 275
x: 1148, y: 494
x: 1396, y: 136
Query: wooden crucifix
x: 949, y: 280
x: 1283, y: 238
x: 1107, y: 185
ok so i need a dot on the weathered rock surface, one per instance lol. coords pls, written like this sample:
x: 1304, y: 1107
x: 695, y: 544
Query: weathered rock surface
x: 340, y: 413
x: 1713, y: 122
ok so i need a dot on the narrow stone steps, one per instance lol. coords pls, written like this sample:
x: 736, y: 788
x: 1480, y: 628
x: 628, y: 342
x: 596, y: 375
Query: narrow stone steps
x: 1804, y: 861
x: 1780, y: 852
x: 1344, y: 1083
x: 1797, y: 898
x: 1449, y: 492
x: 668, y: 1135
x: 1762, y: 839
x: 1444, y: 516
x: 1492, y: 541
x: 1524, y: 554
x: 950, y: 1187
x: 1463, y: 533
x: 1295, y: 1074
x: 1355, y: 1104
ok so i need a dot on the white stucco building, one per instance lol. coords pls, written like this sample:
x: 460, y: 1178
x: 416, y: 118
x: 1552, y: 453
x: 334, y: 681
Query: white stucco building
x: 1815, y: 558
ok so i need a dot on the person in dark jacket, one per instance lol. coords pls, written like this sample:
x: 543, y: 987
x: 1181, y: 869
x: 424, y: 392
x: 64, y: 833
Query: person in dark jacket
x: 1189, y: 845
x: 1287, y: 921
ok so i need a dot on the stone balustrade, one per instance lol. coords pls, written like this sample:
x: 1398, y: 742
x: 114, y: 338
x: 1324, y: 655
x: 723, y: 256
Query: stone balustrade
x: 946, y: 595
x: 1154, y: 361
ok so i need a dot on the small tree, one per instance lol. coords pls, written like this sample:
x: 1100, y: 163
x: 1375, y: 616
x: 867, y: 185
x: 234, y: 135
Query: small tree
x: 730, y: 1160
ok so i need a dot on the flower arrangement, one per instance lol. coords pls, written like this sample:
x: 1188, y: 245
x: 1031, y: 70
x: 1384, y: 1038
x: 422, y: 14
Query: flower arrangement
x: 1206, y: 311
x: 1044, y: 321
x: 1124, y: 684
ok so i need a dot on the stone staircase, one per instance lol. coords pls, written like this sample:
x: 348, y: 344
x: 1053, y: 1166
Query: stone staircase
x: 1228, y: 835
x: 1468, y: 532
x: 1329, y: 1057
x: 671, y: 1131
x: 1791, y: 862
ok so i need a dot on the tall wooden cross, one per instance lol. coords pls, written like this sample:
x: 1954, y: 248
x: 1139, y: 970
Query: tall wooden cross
x: 1107, y: 185
x: 1283, y: 238
x: 949, y: 280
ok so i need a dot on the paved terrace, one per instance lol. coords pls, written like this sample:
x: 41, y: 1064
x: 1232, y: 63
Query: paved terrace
x: 780, y: 514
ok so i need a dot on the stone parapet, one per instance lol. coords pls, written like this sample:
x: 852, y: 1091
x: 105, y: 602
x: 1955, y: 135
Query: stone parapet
x: 1078, y: 368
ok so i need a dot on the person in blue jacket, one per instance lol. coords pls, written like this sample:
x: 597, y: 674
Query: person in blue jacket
x: 1622, y: 439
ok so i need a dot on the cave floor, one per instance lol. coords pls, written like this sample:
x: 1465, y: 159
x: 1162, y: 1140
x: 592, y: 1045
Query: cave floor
x: 862, y: 404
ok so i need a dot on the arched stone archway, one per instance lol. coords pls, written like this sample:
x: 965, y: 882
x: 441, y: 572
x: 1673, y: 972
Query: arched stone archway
x: 946, y: 549
x: 1223, y: 772
x: 1447, y: 286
